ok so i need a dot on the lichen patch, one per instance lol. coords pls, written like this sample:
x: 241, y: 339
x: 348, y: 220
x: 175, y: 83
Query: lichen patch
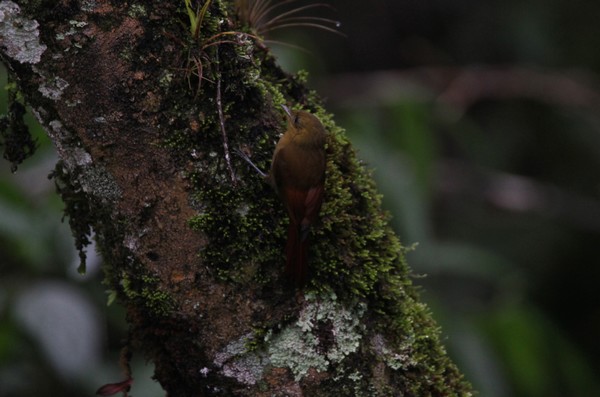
x: 19, y: 35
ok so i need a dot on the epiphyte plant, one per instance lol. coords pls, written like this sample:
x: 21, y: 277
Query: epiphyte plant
x: 265, y: 16
x: 200, y: 45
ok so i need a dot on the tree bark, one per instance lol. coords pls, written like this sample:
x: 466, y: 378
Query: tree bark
x: 145, y: 116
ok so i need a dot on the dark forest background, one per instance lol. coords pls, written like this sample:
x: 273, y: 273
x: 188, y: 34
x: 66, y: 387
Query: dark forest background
x: 481, y: 122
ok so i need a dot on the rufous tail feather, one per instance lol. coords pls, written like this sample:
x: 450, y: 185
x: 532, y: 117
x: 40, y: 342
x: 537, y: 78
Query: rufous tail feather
x: 296, y: 250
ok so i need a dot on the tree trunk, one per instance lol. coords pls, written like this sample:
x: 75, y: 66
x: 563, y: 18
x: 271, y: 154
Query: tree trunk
x: 145, y: 115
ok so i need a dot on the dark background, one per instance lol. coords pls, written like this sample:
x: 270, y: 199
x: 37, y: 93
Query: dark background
x: 481, y: 122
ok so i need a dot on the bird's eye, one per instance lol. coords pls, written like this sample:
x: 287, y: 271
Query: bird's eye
x: 296, y: 118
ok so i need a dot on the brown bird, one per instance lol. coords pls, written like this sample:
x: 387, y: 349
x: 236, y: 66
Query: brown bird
x: 298, y: 175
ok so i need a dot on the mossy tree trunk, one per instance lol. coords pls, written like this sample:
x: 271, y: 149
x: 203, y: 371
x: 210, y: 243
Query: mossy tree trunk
x: 145, y: 118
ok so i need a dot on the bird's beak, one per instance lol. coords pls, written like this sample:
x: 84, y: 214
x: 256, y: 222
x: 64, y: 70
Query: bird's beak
x: 287, y: 111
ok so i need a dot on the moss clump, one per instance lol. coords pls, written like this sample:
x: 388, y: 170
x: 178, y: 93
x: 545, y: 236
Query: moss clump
x: 77, y: 209
x: 144, y: 291
x: 241, y: 217
x: 89, y: 192
x: 240, y: 234
x: 14, y: 133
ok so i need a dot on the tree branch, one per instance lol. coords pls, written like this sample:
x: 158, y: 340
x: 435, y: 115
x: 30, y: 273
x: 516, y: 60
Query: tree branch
x: 195, y: 259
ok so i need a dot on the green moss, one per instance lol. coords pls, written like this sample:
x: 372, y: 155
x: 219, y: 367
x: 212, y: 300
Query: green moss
x: 77, y: 209
x: 240, y: 236
x: 355, y: 256
x: 351, y: 217
x: 301, y: 76
x: 238, y: 217
x: 144, y: 291
x: 15, y: 137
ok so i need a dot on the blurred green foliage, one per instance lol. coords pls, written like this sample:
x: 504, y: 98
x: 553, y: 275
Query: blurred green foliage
x: 501, y: 194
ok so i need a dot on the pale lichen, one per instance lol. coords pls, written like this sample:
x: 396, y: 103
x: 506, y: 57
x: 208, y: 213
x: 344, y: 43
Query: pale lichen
x: 298, y: 346
x: 88, y: 5
x: 98, y: 182
x: 72, y: 156
x: 76, y: 26
x: 402, y: 358
x: 325, y: 333
x: 53, y: 88
x: 137, y: 10
x: 94, y: 180
x: 236, y: 362
x: 19, y: 35
x: 297, y: 350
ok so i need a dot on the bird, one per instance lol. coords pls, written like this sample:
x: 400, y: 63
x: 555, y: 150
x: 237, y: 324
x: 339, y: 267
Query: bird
x: 298, y: 176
